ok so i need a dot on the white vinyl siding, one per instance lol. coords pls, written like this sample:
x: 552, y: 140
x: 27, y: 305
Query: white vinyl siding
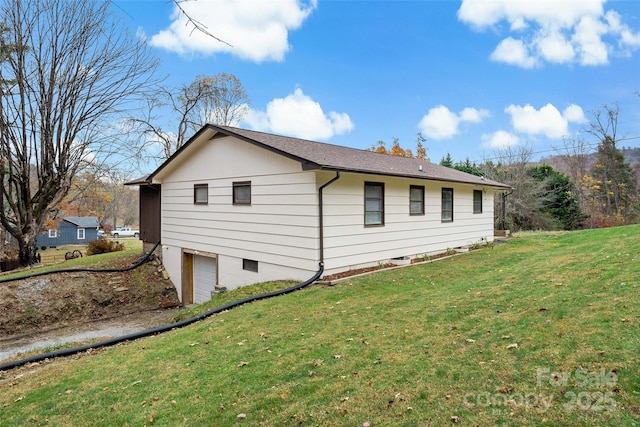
x: 279, y: 228
x: 348, y: 245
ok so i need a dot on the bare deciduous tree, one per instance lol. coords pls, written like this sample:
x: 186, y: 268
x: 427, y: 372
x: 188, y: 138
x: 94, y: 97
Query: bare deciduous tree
x: 615, y: 191
x: 524, y: 202
x: 74, y: 71
x: 197, y: 25
x: 573, y: 158
x: 219, y: 99
x: 226, y: 104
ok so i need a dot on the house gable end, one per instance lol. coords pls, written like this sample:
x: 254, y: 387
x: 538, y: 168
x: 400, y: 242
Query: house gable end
x: 321, y: 156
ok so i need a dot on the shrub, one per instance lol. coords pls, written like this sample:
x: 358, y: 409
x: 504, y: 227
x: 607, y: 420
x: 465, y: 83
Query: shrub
x: 103, y: 245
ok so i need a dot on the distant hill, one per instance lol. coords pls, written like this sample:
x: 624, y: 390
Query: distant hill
x: 631, y: 155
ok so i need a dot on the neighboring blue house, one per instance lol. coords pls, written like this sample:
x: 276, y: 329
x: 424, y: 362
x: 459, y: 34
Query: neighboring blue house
x: 73, y: 230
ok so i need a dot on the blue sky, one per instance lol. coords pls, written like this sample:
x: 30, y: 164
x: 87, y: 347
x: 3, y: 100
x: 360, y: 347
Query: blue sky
x: 473, y: 77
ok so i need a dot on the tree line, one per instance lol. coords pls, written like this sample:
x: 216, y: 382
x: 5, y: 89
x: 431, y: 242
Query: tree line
x: 577, y: 188
x: 81, y: 105
x: 80, y: 98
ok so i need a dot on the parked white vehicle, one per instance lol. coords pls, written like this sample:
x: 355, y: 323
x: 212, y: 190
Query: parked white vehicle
x: 125, y: 232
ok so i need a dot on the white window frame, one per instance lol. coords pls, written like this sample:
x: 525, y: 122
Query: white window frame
x: 81, y: 233
x: 53, y: 233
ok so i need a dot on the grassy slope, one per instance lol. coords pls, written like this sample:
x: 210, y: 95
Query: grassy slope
x: 414, y: 346
x: 53, y: 259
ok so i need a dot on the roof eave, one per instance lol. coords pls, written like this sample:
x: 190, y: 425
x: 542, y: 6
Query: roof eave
x: 492, y: 184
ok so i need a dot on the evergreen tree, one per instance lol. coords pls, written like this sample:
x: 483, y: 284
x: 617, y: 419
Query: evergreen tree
x: 468, y: 167
x: 559, y: 199
x: 447, y: 161
x: 615, y: 192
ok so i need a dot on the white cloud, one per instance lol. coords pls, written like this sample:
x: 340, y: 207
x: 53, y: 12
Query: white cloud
x: 473, y: 115
x: 588, y: 36
x: 513, y: 52
x: 441, y: 123
x: 562, y: 32
x: 300, y: 116
x: 547, y: 121
x: 574, y: 113
x: 629, y: 40
x: 256, y: 30
x: 554, y: 47
x: 499, y: 139
x: 564, y: 13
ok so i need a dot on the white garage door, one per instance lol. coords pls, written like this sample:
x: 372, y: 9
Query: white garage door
x: 204, y: 278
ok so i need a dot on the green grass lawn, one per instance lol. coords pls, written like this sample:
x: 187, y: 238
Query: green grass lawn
x: 53, y: 258
x: 543, y: 330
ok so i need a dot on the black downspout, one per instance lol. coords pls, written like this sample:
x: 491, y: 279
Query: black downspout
x: 321, y: 216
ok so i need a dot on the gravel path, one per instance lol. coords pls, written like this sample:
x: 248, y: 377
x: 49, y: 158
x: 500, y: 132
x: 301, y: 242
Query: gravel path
x: 44, y: 341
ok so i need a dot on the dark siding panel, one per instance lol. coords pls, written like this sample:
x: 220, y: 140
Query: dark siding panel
x: 150, y: 213
x: 67, y: 235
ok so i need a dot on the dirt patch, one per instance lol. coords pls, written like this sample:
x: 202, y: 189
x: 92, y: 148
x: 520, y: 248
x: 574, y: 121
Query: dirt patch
x: 355, y: 272
x: 358, y: 271
x: 66, y: 303
x: 82, y: 333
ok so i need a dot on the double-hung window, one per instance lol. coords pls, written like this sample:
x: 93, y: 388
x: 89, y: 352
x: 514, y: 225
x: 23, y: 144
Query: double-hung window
x: 416, y: 200
x: 373, y: 203
x: 447, y: 205
x: 477, y: 201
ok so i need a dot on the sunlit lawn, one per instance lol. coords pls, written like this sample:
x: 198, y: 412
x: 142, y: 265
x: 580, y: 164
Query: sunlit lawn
x: 54, y: 258
x: 543, y: 330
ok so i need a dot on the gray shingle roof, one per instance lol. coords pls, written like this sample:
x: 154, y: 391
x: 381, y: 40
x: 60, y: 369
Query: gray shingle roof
x: 84, y: 221
x: 318, y: 155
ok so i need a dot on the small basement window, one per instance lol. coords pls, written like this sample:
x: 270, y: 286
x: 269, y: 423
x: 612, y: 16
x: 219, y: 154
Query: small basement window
x: 201, y: 194
x: 242, y: 193
x: 250, y: 265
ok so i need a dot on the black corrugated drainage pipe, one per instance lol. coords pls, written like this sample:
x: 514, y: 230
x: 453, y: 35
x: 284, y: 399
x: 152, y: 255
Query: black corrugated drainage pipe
x: 321, y: 214
x: 89, y: 270
x: 160, y: 329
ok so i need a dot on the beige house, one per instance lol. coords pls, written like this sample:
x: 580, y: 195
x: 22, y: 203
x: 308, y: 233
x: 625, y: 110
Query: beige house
x: 238, y: 207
